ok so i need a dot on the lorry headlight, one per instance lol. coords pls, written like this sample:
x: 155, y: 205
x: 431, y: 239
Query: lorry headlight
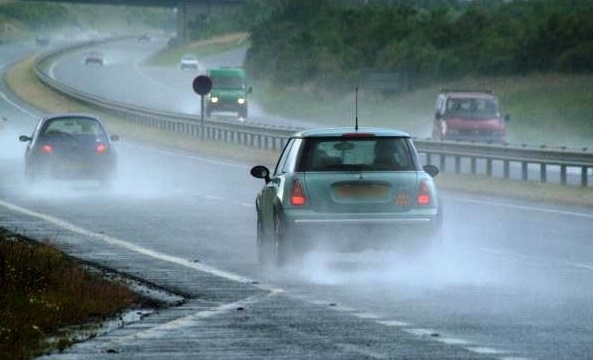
x: 241, y: 101
x: 214, y: 99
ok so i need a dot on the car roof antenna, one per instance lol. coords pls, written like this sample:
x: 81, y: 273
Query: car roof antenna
x: 356, y: 108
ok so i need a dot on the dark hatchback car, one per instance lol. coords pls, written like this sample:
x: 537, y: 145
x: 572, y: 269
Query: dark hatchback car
x: 348, y: 189
x: 70, y: 146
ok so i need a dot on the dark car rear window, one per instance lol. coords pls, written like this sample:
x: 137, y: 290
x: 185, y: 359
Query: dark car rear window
x: 79, y: 127
x: 357, y: 154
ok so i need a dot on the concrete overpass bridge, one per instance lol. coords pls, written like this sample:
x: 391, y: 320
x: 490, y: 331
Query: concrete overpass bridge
x: 187, y: 10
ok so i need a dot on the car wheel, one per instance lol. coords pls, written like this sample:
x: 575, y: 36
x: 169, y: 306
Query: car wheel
x: 243, y: 112
x: 263, y: 246
x: 273, y: 249
x: 436, y: 132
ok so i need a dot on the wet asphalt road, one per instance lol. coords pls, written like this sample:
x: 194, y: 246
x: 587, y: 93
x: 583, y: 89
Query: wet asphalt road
x: 513, y: 282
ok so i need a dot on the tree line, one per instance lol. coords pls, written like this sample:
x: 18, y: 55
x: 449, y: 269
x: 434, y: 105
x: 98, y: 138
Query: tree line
x: 332, y: 45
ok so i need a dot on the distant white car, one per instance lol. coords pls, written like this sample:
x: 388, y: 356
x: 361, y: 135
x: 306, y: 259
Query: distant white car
x: 188, y: 61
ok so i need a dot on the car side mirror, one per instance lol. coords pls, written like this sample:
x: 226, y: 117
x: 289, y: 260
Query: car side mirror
x: 431, y: 170
x: 249, y: 90
x: 507, y: 117
x: 260, y: 172
x: 438, y: 115
x: 25, y: 138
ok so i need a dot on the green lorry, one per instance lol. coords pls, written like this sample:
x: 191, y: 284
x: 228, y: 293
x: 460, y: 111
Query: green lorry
x: 229, y: 91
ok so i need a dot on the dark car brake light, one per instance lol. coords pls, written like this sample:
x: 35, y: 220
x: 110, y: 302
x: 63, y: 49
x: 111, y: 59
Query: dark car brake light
x: 101, y: 148
x: 424, y: 196
x: 297, y: 194
x: 46, y: 149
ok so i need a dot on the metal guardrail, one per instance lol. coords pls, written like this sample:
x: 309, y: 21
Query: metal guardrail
x: 467, y: 157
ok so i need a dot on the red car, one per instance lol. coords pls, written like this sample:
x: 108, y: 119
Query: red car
x: 469, y: 115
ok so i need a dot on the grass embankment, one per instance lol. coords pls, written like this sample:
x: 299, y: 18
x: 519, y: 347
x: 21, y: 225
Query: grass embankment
x: 545, y: 109
x: 201, y: 49
x: 42, y: 291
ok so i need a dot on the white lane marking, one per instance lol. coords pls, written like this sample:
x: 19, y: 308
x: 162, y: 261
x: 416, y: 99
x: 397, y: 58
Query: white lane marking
x: 537, y: 259
x: 51, y: 70
x: 486, y: 350
x: 150, y: 78
x: 342, y: 308
x: 424, y: 333
x: 524, y: 207
x: 187, y: 321
x: 188, y: 156
x: 359, y: 350
x: 317, y: 302
x: 452, y: 341
x: 132, y: 247
x: 367, y: 315
x: 17, y: 106
x: 394, y: 323
x: 420, y: 332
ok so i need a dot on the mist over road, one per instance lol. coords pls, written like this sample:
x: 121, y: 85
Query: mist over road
x: 513, y: 280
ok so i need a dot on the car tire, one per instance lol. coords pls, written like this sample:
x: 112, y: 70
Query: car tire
x: 264, y: 248
x: 243, y: 112
x: 273, y: 247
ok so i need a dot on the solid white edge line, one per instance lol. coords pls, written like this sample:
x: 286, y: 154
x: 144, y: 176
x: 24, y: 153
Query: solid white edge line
x: 132, y: 247
x: 189, y: 320
x: 189, y: 156
x: 536, y: 259
x: 17, y: 106
x: 523, y: 207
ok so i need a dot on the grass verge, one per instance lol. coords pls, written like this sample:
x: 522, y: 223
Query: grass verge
x: 42, y: 291
x: 170, y: 56
x: 547, y: 109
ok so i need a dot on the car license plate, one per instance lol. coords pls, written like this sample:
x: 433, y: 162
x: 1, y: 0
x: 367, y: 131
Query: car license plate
x: 370, y: 191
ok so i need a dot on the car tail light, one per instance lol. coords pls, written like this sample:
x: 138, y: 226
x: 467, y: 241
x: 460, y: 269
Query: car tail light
x: 46, y: 149
x: 101, y: 148
x: 297, y: 194
x: 424, y: 196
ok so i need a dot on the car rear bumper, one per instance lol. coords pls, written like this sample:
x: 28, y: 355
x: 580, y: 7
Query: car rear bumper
x: 496, y: 138
x: 364, y: 229
x: 71, y: 170
x: 365, y: 221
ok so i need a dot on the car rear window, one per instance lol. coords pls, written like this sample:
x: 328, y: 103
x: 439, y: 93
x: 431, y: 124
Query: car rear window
x: 74, y: 127
x: 476, y: 107
x: 357, y: 154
